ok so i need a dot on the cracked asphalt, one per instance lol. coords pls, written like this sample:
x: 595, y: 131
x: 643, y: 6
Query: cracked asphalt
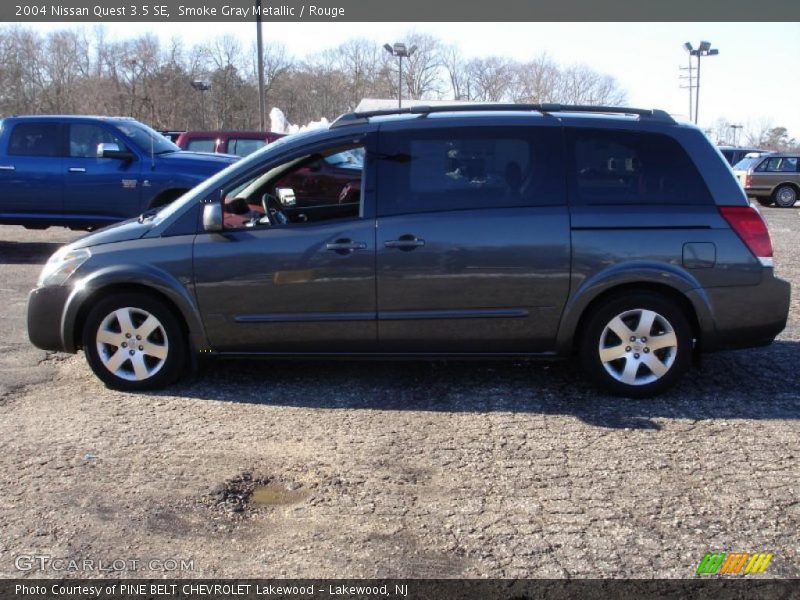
x: 408, y: 469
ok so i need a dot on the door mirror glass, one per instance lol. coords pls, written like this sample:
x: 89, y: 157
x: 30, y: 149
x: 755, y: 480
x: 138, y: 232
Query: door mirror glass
x: 286, y: 196
x: 212, y: 217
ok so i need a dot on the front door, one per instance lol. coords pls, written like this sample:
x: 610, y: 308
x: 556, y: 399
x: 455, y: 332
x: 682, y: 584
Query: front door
x: 105, y: 189
x: 473, y: 239
x: 283, y: 281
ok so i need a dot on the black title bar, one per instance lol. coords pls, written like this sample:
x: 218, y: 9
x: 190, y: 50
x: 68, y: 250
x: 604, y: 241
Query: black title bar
x: 71, y: 11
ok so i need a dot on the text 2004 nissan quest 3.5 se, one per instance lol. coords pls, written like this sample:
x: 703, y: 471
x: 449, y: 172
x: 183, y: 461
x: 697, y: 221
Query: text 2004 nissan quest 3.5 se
x: 616, y: 236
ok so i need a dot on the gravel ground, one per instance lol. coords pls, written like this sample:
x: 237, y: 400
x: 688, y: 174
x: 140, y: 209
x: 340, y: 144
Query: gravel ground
x: 396, y: 470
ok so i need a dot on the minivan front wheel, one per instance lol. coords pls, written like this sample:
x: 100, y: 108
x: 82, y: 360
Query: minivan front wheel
x: 134, y: 342
x: 785, y: 196
x: 637, y: 345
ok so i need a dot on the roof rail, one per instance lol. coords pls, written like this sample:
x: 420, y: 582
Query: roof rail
x: 355, y: 118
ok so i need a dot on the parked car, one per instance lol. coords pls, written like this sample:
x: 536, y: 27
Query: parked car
x: 86, y: 172
x: 239, y: 143
x: 772, y: 178
x: 615, y: 237
x: 733, y: 154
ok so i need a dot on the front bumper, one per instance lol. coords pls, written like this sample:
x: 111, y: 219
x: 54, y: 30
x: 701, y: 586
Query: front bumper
x: 45, y: 317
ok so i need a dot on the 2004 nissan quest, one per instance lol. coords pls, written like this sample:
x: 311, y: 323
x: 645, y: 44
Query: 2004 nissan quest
x: 614, y: 235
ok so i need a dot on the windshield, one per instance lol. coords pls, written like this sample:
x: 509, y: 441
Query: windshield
x: 746, y: 163
x: 146, y: 138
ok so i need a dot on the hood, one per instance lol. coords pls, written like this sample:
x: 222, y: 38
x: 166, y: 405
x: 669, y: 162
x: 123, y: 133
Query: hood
x: 119, y: 232
x: 202, y: 160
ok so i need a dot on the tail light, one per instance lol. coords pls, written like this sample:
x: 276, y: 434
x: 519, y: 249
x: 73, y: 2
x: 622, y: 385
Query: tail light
x: 746, y: 221
x: 748, y: 180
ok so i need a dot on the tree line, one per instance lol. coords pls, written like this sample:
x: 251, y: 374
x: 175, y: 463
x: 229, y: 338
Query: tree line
x: 84, y: 72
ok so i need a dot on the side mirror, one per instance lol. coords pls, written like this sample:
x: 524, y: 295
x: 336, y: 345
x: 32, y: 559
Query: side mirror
x: 212, y: 217
x: 111, y: 150
x: 286, y: 196
x: 315, y: 167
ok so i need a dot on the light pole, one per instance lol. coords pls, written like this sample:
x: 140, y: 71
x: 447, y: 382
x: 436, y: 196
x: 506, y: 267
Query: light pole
x: 704, y: 49
x: 400, y: 51
x: 202, y: 87
x: 735, y: 131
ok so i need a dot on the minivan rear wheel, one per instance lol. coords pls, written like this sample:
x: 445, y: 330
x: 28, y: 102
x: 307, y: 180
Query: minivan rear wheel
x: 636, y: 345
x: 785, y: 196
x: 134, y: 342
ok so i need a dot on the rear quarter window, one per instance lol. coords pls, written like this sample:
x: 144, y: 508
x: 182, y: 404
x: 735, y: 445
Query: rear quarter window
x: 630, y: 167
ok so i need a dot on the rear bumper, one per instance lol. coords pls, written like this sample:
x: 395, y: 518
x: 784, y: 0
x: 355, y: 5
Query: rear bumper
x: 746, y: 316
x: 45, y: 311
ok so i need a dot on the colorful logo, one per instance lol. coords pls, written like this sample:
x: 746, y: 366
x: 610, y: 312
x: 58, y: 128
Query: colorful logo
x: 733, y: 563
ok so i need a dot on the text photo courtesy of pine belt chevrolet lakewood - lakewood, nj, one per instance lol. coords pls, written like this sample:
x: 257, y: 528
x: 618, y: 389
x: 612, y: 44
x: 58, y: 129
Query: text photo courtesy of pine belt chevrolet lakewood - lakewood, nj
x: 383, y: 300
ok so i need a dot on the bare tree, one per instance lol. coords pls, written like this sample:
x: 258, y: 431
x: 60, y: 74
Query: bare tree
x: 490, y: 79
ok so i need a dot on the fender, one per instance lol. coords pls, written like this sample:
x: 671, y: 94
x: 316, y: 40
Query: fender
x: 144, y: 275
x: 630, y: 274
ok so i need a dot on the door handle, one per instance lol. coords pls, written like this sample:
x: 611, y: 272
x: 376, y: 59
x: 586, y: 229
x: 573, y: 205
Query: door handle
x: 7, y: 168
x: 405, y: 242
x: 77, y: 170
x: 345, y: 246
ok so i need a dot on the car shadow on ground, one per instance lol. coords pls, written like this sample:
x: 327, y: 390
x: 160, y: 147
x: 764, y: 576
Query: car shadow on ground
x: 27, y: 253
x: 762, y: 383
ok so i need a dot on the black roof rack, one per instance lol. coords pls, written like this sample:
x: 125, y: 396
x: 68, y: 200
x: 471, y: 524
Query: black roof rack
x: 355, y: 118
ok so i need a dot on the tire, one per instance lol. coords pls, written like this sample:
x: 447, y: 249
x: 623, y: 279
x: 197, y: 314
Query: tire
x: 764, y: 201
x: 785, y: 196
x: 154, y: 361
x: 630, y: 373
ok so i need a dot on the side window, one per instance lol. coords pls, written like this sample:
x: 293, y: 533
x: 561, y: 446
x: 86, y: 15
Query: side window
x: 84, y: 138
x: 296, y: 193
x: 202, y: 145
x: 470, y: 168
x: 625, y: 167
x: 34, y: 139
x: 243, y: 147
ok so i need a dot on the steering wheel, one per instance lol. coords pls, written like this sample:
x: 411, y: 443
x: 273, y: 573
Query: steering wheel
x: 273, y: 210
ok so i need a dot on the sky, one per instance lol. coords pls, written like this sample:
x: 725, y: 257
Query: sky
x: 754, y: 80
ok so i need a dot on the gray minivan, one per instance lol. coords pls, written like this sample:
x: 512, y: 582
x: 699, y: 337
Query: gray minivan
x: 614, y: 235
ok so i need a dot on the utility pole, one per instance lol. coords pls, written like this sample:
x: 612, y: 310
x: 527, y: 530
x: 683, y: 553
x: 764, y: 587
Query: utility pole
x: 260, y: 49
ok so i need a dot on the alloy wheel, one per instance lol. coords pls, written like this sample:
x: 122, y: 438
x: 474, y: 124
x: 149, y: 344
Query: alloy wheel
x: 132, y: 343
x: 638, y: 347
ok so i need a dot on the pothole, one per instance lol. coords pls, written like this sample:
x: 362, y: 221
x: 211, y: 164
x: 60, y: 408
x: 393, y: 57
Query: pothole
x: 248, y: 492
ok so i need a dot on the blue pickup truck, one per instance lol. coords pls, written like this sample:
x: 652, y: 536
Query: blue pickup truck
x: 86, y: 172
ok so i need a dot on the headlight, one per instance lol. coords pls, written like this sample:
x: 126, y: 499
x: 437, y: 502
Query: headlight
x: 61, y: 265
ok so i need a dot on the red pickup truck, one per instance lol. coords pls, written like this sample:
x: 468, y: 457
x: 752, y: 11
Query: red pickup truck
x: 240, y: 143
